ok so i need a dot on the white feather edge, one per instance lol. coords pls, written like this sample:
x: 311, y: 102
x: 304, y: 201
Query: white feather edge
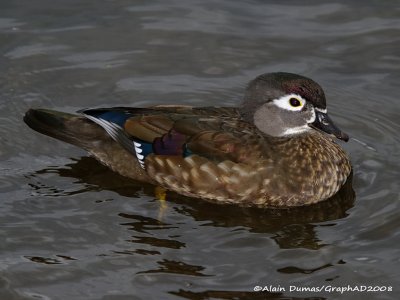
x: 113, y: 130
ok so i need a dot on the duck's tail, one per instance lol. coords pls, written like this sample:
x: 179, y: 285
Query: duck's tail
x: 70, y: 128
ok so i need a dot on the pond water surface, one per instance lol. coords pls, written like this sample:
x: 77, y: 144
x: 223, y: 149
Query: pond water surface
x: 72, y: 229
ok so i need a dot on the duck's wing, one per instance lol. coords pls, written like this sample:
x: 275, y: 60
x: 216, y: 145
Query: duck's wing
x: 207, y: 153
x: 214, y: 133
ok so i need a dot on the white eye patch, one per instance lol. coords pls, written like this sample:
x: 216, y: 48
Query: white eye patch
x: 291, y: 102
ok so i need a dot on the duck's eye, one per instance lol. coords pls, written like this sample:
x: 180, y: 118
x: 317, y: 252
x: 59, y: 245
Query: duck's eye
x: 294, y: 102
x: 291, y: 102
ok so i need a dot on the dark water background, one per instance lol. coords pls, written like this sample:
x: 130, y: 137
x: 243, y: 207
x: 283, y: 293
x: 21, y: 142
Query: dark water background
x: 71, y: 229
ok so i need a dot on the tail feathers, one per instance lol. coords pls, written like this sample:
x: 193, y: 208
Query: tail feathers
x: 70, y: 128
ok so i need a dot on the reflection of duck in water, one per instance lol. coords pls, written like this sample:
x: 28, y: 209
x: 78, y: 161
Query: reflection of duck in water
x: 272, y: 151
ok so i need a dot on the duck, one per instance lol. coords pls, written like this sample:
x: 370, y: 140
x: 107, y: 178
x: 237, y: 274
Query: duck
x: 278, y: 148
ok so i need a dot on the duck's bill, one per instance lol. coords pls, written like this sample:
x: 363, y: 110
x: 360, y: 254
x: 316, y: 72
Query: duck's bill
x: 324, y: 123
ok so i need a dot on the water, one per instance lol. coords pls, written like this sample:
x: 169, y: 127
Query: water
x: 71, y: 229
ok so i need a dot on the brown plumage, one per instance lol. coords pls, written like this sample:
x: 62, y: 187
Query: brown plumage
x: 219, y: 154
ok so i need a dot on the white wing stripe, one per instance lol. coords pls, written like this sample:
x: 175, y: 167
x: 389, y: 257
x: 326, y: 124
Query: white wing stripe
x: 114, y: 130
x: 139, y: 156
x: 111, y: 128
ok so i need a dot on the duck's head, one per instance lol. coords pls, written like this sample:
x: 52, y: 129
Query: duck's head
x: 286, y: 104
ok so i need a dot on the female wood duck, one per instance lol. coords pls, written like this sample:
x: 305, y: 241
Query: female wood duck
x: 276, y: 149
